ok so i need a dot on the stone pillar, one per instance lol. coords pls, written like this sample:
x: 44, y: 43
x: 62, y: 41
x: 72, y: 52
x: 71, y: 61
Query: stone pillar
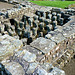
x: 40, y: 34
x: 61, y: 21
x: 35, y: 23
x: 47, y: 13
x: 21, y: 24
x: 53, y: 13
x: 34, y: 31
x: 41, y: 19
x: 41, y: 26
x: 19, y: 31
x: 38, y: 13
x: 54, y: 18
x: 54, y: 24
x: 30, y: 21
x: 16, y: 23
x: 47, y: 21
x: 35, y: 17
x: 58, y: 17
x: 49, y: 16
x: 2, y: 27
x: 44, y: 14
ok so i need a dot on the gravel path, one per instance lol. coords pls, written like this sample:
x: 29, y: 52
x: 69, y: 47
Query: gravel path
x: 5, y: 5
x: 70, y: 68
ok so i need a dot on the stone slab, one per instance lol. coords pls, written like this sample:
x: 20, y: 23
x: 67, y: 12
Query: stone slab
x: 38, y: 53
x: 29, y: 57
x: 14, y: 68
x: 58, y: 38
x: 32, y: 67
x: 43, y: 44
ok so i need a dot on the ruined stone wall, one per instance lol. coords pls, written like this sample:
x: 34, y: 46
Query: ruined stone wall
x: 60, y: 42
x: 34, y: 25
x: 38, y: 40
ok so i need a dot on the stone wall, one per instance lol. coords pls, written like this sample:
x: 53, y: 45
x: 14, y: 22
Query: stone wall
x: 36, y: 41
x: 34, y: 25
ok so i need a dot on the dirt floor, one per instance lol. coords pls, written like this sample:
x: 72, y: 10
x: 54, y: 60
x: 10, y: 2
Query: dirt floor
x: 5, y: 5
x: 70, y: 68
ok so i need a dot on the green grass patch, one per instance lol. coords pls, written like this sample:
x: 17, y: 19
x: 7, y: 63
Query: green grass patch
x: 60, y: 4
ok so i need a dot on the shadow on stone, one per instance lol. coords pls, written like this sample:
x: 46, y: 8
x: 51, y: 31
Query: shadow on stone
x: 3, y: 70
x: 74, y: 56
x: 12, y: 21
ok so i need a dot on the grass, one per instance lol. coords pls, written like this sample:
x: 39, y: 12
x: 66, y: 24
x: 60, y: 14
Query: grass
x: 60, y: 4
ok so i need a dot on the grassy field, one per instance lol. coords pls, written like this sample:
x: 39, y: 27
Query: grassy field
x: 60, y: 4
